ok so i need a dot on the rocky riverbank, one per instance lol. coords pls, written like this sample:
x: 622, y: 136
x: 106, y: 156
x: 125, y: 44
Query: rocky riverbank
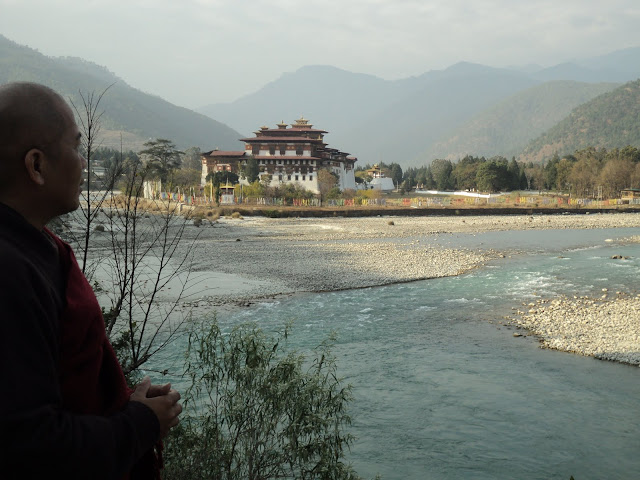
x: 270, y: 257
x: 302, y: 255
x: 238, y: 261
x: 284, y: 256
x: 605, y: 328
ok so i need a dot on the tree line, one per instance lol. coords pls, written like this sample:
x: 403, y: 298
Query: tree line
x: 161, y: 159
x: 469, y: 173
x: 589, y: 172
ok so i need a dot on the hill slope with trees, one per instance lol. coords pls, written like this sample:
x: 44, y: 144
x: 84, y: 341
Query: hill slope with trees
x: 135, y: 115
x: 611, y: 120
x: 508, y: 126
x: 374, y: 119
x: 466, y: 109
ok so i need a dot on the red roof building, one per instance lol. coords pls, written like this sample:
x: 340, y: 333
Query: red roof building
x: 292, y: 154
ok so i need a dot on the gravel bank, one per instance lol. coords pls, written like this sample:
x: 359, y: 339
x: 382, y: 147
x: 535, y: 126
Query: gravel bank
x: 321, y: 254
x: 608, y: 329
x: 239, y: 261
x: 324, y: 255
x: 243, y: 260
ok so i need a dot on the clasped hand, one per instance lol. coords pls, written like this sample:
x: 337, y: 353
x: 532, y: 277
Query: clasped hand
x: 162, y: 399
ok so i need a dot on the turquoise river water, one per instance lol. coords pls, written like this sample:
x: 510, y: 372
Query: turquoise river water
x: 443, y: 390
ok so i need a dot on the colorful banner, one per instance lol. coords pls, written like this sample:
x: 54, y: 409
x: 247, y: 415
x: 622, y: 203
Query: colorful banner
x: 419, y: 202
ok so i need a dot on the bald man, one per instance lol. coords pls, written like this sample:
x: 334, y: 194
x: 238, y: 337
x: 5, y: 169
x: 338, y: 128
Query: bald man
x: 65, y: 408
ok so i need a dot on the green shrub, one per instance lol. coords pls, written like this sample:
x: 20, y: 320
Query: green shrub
x: 257, y: 411
x: 272, y: 213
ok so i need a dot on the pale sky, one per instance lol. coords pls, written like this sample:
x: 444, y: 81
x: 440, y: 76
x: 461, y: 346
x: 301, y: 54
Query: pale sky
x: 196, y: 52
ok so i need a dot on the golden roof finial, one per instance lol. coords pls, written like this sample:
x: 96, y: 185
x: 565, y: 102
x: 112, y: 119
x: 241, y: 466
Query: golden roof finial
x: 302, y: 122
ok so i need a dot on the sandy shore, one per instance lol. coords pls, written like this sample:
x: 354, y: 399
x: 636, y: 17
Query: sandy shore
x: 245, y: 260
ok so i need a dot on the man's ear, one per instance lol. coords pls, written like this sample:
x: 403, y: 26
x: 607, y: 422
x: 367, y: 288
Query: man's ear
x: 34, y: 161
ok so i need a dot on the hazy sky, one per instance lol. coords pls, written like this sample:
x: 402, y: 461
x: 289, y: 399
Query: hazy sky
x: 195, y: 52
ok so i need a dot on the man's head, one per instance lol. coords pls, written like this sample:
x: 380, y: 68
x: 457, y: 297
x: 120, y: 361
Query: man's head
x: 40, y: 166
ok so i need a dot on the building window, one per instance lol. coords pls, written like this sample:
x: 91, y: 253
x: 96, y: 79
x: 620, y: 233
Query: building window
x: 272, y: 149
x: 280, y: 177
x: 283, y: 149
x: 310, y: 177
x: 255, y: 149
x: 288, y: 177
x: 299, y: 151
x: 296, y: 178
x: 303, y: 178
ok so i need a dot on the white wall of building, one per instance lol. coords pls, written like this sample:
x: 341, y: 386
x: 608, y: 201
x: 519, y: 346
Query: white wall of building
x: 203, y: 177
x: 310, y: 181
x: 346, y: 178
x: 382, y: 183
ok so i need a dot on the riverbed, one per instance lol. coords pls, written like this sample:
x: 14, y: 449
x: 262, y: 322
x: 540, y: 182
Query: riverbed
x: 447, y: 386
x: 448, y: 381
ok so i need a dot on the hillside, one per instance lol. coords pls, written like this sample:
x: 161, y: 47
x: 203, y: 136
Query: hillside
x: 616, y: 67
x: 507, y: 127
x: 329, y: 97
x: 466, y: 108
x: 371, y: 118
x: 135, y: 115
x: 610, y: 120
x: 443, y: 101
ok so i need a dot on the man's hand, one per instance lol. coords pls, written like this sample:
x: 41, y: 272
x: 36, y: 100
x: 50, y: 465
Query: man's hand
x: 162, y: 400
x: 158, y: 390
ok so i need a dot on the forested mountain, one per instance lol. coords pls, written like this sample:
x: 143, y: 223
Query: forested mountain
x: 508, y: 126
x: 372, y: 118
x: 331, y: 98
x: 611, y: 120
x: 466, y: 108
x: 444, y: 101
x: 135, y: 115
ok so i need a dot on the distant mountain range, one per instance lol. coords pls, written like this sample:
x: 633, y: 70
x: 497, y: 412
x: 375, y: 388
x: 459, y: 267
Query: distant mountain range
x: 528, y: 112
x: 464, y: 109
x: 128, y: 112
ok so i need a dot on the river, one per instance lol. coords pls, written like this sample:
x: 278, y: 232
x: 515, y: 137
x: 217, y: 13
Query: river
x: 443, y: 389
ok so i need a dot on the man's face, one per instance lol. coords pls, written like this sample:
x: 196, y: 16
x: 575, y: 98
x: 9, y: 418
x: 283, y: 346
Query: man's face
x: 66, y: 165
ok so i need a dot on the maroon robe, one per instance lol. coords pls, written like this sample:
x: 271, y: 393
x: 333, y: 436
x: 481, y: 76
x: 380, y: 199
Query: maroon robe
x: 91, y: 378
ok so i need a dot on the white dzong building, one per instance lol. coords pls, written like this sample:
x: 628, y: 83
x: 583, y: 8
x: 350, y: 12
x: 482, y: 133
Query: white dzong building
x: 292, y: 154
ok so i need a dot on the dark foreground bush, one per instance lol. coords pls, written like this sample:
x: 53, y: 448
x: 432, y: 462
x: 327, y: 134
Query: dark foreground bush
x: 255, y: 411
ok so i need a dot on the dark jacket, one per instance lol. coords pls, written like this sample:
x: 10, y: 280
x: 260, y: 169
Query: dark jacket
x: 40, y: 435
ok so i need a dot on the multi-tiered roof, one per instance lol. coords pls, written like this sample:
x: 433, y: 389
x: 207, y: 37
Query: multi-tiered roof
x: 287, y: 153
